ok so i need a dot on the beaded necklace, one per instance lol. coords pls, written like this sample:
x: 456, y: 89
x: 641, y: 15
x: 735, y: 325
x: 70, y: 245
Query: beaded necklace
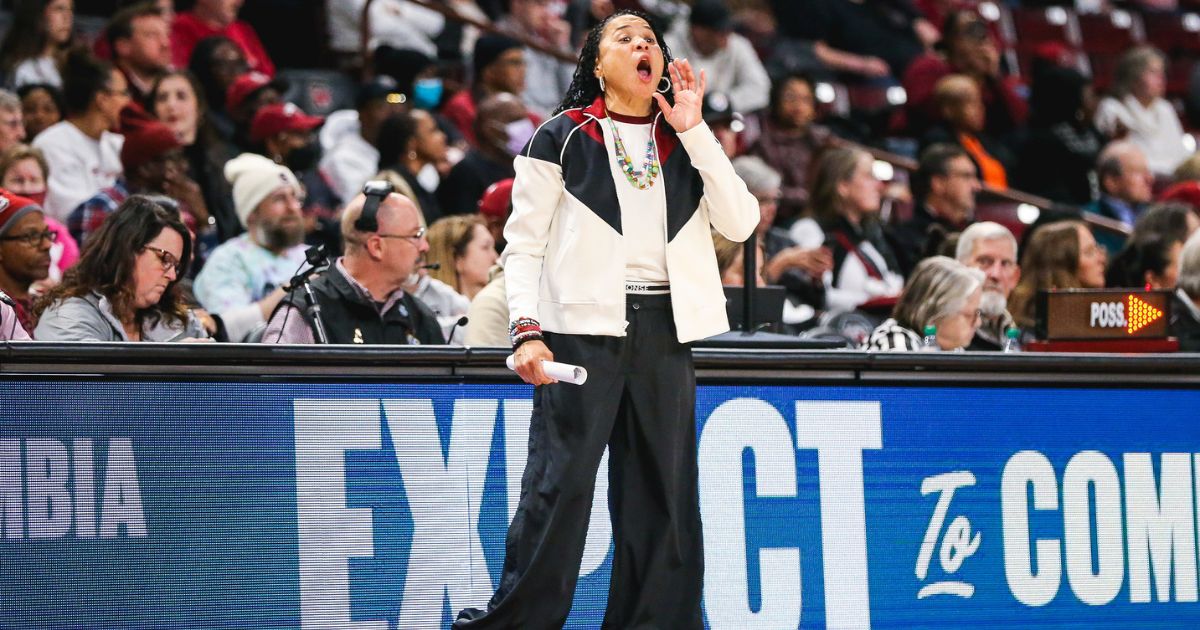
x: 644, y: 178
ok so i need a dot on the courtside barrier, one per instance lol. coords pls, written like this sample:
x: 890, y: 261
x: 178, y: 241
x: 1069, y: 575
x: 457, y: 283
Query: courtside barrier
x: 236, y: 486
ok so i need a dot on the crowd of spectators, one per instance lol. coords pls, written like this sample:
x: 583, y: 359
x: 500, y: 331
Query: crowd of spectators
x: 164, y: 177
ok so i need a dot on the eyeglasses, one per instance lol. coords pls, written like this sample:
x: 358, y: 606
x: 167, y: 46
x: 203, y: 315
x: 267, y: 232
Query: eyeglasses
x: 32, y: 239
x: 165, y: 258
x: 415, y: 238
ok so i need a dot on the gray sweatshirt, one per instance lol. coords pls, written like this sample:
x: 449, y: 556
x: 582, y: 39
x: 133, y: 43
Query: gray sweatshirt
x: 90, y: 318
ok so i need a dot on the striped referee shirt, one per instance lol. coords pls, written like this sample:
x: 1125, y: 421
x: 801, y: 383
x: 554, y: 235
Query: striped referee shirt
x: 892, y: 337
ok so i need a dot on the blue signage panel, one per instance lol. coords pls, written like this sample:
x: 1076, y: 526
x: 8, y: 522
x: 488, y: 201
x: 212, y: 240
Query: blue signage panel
x: 249, y: 505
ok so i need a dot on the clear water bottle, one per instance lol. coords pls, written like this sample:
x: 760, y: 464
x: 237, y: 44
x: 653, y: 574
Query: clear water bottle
x: 929, y: 342
x: 1011, y: 341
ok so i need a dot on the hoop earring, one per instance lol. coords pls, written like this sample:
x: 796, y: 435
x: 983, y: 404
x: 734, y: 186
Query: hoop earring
x: 601, y: 83
x: 661, y: 89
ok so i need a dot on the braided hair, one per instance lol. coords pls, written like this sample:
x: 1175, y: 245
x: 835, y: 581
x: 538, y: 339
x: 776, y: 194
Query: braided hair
x: 585, y: 87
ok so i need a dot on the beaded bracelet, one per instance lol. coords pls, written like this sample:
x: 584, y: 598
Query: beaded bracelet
x: 524, y: 329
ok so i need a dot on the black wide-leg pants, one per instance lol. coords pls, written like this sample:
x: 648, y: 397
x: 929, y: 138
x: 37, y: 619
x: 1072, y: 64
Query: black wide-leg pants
x: 639, y: 401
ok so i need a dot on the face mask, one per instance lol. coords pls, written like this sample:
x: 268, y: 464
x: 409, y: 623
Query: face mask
x: 427, y: 93
x: 304, y: 158
x: 519, y: 132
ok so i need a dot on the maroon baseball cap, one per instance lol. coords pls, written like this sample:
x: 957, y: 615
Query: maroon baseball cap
x: 147, y: 143
x: 280, y: 117
x: 13, y: 207
x: 496, y: 199
x: 247, y: 84
x: 1183, y: 192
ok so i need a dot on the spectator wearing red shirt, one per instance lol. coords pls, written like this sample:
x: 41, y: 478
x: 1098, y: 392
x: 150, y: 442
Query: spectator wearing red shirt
x: 166, y: 8
x: 499, y: 64
x: 968, y: 48
x: 217, y: 17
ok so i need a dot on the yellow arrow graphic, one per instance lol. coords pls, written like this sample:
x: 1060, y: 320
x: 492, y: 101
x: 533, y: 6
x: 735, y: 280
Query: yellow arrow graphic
x: 1139, y: 314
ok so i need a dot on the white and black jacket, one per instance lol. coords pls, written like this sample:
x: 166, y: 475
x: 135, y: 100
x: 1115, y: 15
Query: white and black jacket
x: 890, y: 336
x: 565, y: 258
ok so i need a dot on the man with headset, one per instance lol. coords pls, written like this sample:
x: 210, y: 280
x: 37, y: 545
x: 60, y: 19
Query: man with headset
x: 360, y: 296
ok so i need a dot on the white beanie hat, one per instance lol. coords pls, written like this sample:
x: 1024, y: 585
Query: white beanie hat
x: 254, y: 178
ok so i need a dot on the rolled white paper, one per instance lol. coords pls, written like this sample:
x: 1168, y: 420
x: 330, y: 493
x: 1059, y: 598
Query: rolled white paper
x: 562, y: 372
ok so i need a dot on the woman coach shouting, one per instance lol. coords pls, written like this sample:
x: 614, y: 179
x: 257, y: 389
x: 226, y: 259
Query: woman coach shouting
x: 610, y: 265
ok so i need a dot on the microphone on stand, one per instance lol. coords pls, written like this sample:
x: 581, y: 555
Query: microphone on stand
x: 462, y: 321
x: 316, y: 258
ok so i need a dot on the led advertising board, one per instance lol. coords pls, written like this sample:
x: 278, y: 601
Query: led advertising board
x: 378, y: 506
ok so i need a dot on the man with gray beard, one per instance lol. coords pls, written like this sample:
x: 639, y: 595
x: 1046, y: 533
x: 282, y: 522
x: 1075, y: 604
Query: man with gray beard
x: 240, y: 283
x: 991, y: 248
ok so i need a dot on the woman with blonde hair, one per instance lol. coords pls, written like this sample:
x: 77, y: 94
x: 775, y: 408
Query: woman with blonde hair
x: 943, y: 293
x: 1062, y: 255
x: 461, y: 254
x: 846, y: 197
x: 464, y: 251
